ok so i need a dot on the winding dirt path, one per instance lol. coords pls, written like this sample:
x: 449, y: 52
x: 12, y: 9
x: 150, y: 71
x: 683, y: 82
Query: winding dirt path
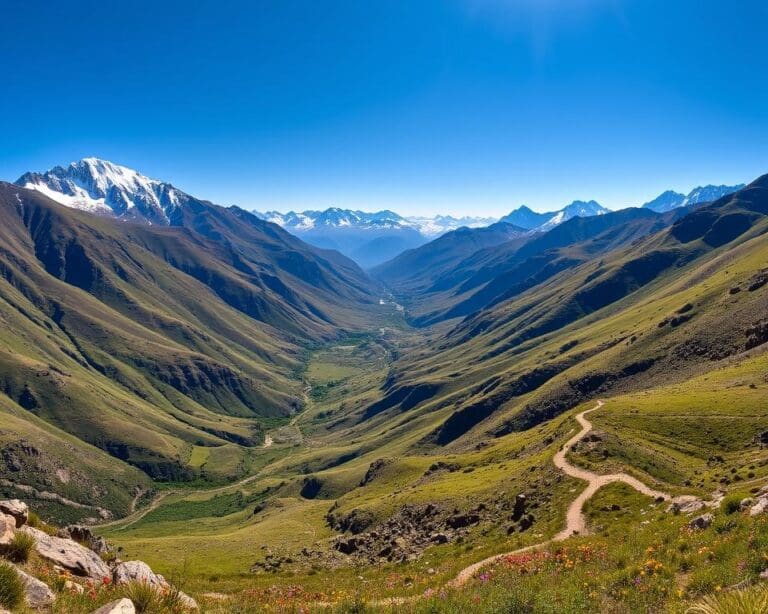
x: 575, y: 522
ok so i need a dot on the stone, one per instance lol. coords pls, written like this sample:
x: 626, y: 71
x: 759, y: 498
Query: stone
x: 746, y: 503
x: 526, y: 522
x: 85, y: 536
x: 69, y: 554
x: 463, y: 520
x: 439, y: 538
x: 760, y: 507
x: 137, y: 571
x: 187, y: 602
x: 701, y: 522
x: 121, y: 606
x: 7, y: 529
x: 519, y: 509
x: 16, y: 508
x: 37, y: 593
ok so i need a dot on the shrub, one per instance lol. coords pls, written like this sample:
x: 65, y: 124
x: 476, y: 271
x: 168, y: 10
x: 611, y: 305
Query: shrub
x: 731, y: 504
x: 144, y: 596
x: 734, y: 602
x: 20, y: 548
x: 11, y: 587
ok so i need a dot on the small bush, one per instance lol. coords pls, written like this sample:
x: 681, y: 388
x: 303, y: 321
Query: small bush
x: 731, y: 504
x: 736, y: 602
x: 144, y: 596
x: 20, y: 548
x: 11, y: 587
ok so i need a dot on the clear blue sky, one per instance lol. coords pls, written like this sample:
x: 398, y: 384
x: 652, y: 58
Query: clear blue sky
x: 462, y: 106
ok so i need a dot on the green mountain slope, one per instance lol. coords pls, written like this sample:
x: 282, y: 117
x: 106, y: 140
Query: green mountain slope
x: 149, y: 341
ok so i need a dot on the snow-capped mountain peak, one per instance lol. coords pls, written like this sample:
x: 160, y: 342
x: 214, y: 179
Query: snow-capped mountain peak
x: 524, y: 217
x: 100, y: 186
x: 666, y: 201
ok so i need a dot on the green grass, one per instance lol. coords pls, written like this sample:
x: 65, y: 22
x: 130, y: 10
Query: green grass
x: 11, y: 587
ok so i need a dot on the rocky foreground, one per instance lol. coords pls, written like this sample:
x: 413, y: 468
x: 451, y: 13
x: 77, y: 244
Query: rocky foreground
x: 75, y: 562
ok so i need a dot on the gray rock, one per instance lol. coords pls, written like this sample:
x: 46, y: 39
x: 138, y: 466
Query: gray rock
x: 745, y: 503
x: 85, y: 536
x: 187, y: 601
x: 69, y: 554
x: 37, y: 593
x: 701, y: 522
x: 16, y: 508
x: 121, y: 606
x: 761, y: 507
x: 7, y: 529
x: 137, y: 571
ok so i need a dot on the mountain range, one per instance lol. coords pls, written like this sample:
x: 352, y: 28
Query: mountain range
x: 524, y: 217
x: 370, y: 239
x: 367, y: 238
x: 666, y: 201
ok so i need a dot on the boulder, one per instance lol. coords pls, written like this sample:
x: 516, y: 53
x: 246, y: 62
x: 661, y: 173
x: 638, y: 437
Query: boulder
x: 460, y: 521
x: 519, y: 509
x: 69, y: 554
x: 187, y: 601
x: 701, y: 522
x: 36, y: 593
x: 526, y: 522
x: 7, y: 529
x: 137, y: 571
x: 121, y: 606
x: 746, y: 503
x: 761, y: 507
x: 687, y: 505
x: 16, y: 508
x: 85, y: 536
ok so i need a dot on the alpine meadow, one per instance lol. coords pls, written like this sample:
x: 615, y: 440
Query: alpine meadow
x: 344, y: 368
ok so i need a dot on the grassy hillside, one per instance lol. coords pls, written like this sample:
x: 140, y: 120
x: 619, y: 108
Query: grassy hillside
x: 162, y: 346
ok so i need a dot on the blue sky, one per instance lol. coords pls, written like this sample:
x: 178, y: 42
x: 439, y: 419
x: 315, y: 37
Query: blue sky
x: 421, y: 106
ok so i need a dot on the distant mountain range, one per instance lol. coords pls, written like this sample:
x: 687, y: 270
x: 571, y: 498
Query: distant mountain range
x: 370, y: 239
x: 666, y: 201
x: 524, y: 217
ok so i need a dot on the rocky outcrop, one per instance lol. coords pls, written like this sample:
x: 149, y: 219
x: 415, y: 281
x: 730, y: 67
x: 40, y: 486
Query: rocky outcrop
x: 85, y: 536
x: 69, y: 554
x: 414, y: 528
x: 36, y: 593
x: 17, y: 509
x: 759, y: 505
x: 121, y: 606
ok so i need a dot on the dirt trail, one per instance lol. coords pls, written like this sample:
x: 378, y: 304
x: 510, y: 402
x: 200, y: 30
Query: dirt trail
x: 575, y: 523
